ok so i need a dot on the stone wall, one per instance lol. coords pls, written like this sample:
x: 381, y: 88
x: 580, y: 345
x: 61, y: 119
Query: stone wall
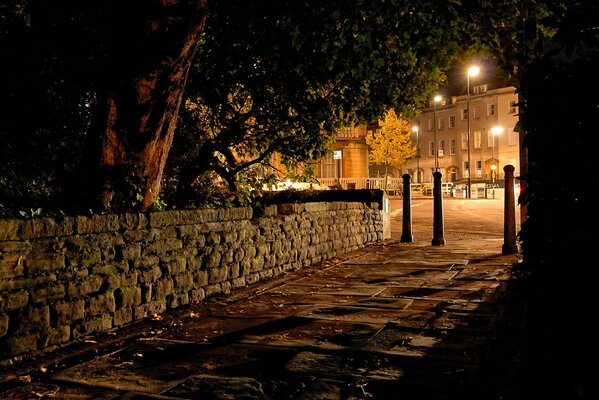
x: 61, y: 279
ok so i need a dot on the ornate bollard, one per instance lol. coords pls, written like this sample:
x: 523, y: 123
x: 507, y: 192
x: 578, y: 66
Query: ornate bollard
x: 438, y: 224
x: 406, y: 233
x: 509, y: 213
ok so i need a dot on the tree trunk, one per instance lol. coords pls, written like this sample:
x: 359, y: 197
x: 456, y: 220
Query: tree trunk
x: 139, y: 99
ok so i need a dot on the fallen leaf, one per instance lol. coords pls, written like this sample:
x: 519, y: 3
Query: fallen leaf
x: 25, y: 378
x: 157, y: 317
x: 138, y: 355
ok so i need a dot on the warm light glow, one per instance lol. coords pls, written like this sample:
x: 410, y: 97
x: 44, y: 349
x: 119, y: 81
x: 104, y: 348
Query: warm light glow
x: 496, y: 130
x: 493, y: 167
x: 473, y: 71
x: 414, y: 129
x: 437, y: 98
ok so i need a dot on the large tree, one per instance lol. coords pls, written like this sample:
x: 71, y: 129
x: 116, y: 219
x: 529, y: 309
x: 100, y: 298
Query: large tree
x: 280, y: 77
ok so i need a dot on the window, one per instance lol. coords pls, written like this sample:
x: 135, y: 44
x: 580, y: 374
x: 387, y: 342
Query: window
x: 430, y: 124
x: 512, y: 137
x: 466, y: 170
x: 464, y: 114
x: 464, y: 140
x: 452, y: 121
x: 489, y: 138
x: 327, y: 167
x: 431, y: 149
x: 441, y: 148
x: 512, y: 108
x: 480, y: 89
x: 452, y: 146
x: 441, y: 123
x: 475, y: 112
x: 490, y: 109
x: 478, y: 139
x: 479, y: 169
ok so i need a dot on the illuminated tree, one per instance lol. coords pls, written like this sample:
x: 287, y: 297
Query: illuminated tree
x: 392, y: 145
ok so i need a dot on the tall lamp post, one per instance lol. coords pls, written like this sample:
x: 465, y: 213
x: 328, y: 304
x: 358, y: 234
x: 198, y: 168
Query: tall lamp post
x: 472, y: 71
x: 436, y: 99
x: 496, y: 130
x: 415, y: 129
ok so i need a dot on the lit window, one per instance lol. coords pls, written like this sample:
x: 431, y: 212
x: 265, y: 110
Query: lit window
x: 452, y: 121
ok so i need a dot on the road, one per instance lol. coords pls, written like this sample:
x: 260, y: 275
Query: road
x: 463, y: 218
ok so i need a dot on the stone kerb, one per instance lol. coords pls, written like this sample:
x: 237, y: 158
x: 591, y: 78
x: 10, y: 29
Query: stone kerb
x: 61, y: 279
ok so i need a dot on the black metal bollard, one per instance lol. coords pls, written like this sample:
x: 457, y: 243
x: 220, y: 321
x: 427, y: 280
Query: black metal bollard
x: 406, y: 233
x: 438, y: 224
x: 509, y: 213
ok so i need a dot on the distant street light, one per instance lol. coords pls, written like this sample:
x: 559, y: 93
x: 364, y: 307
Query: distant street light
x: 496, y: 130
x: 473, y: 71
x: 436, y: 99
x: 415, y: 129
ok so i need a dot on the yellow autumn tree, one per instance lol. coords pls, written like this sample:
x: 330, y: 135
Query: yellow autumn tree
x: 391, y: 146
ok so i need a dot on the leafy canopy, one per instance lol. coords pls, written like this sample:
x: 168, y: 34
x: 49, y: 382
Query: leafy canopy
x: 391, y: 145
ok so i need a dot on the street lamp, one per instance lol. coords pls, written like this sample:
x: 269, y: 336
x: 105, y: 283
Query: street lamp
x: 496, y: 130
x: 415, y: 129
x: 436, y: 99
x: 472, y: 71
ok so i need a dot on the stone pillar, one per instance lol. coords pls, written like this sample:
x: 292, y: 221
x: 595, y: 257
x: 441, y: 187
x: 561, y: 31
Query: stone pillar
x: 386, y: 217
x: 438, y: 224
x: 509, y: 213
x: 406, y: 233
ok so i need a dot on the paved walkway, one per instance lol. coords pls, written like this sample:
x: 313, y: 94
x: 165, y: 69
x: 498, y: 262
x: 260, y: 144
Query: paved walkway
x: 390, y: 321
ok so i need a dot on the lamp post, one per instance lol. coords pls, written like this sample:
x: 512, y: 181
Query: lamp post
x: 496, y: 130
x: 472, y: 71
x: 415, y: 129
x: 436, y: 99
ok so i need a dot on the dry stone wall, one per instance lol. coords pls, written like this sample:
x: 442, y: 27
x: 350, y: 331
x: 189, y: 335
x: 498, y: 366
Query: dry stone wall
x: 61, y: 279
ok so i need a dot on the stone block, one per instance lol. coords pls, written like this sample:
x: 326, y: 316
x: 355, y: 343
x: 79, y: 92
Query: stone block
x: 219, y: 274
x: 102, y: 303
x: 160, y: 247
x: 33, y: 319
x: 149, y: 309
x: 127, y: 297
x: 51, y: 291
x: 87, y: 285
x: 176, y: 266
x: 3, y: 324
x: 238, y: 282
x: 100, y: 323
x: 213, y: 289
x: 149, y: 275
x: 13, y: 301
x: 197, y: 295
x: 20, y: 344
x: 133, y: 222
x: 97, y: 224
x: 68, y: 311
x: 16, y: 284
x: 111, y: 268
x: 200, y: 278
x: 9, y: 229
x: 183, y: 281
x: 128, y: 251
x: 46, y: 227
x: 163, y: 288
x: 178, y: 300
x: 56, y: 336
x: 122, y: 316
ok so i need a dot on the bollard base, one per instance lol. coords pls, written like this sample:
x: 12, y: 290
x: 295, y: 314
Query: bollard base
x: 438, y: 242
x: 509, y: 249
x: 407, y: 238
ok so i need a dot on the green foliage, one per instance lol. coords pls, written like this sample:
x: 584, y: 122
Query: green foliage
x: 281, y: 77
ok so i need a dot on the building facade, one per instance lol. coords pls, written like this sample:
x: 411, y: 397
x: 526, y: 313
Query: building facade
x: 440, y: 130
